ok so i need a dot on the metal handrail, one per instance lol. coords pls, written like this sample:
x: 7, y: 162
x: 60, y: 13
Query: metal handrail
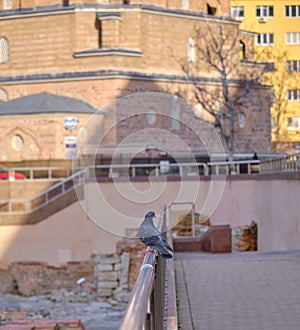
x: 138, y: 307
x: 41, y: 173
x: 153, y: 299
x: 46, y: 196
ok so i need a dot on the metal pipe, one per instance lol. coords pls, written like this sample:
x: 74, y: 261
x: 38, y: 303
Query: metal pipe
x: 137, y: 309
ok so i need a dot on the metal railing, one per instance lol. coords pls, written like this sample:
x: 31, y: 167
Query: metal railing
x: 177, y: 169
x: 289, y: 163
x: 21, y: 206
x: 153, y: 300
x: 41, y: 173
x: 29, y: 205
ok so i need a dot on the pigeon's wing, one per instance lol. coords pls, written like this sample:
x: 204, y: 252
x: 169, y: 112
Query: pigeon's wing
x: 158, y: 243
x: 151, y: 240
x: 166, y: 244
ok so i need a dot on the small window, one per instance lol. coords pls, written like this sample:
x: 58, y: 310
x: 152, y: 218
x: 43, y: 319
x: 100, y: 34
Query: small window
x: 241, y: 120
x: 175, y: 124
x: 293, y: 66
x: 8, y: 4
x: 17, y: 142
x: 292, y: 11
x: 211, y: 10
x: 264, y: 11
x: 293, y: 95
x: 4, y: 51
x: 185, y: 4
x: 292, y: 38
x: 191, y: 50
x: 293, y: 123
x: 242, y: 50
x: 264, y: 39
x: 151, y: 116
x: 237, y: 12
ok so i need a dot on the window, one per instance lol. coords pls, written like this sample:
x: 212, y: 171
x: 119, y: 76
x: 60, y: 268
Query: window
x: 17, y: 142
x: 242, y: 50
x: 264, y: 11
x: 293, y: 123
x: 175, y: 114
x: 293, y: 94
x: 8, y: 4
x: 237, y: 12
x: 185, y: 4
x: 151, y: 116
x: 293, y: 66
x: 269, y: 67
x: 191, y: 50
x: 265, y: 39
x: 292, y: 11
x: 292, y: 38
x: 3, y: 95
x: 241, y: 120
x: 211, y: 10
x: 4, y: 50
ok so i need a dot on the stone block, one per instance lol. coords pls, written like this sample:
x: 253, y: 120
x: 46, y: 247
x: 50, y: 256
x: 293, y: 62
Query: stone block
x: 106, y: 258
x: 107, y: 284
x: 110, y: 276
x: 118, y: 267
x: 104, y: 292
x: 103, y: 268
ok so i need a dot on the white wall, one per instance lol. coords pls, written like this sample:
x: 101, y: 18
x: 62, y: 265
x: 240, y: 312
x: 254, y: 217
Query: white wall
x: 110, y: 210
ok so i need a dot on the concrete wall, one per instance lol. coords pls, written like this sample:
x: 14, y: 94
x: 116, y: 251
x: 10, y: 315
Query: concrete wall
x: 112, y: 210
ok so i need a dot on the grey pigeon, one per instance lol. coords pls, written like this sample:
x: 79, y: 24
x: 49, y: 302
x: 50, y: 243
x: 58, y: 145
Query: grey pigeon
x: 152, y: 237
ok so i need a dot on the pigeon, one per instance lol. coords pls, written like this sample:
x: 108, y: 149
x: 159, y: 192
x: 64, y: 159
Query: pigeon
x: 152, y: 237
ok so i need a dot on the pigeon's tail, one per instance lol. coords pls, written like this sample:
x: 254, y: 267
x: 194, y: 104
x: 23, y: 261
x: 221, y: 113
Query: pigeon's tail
x: 166, y: 255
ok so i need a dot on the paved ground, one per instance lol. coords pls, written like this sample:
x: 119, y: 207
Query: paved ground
x: 94, y: 315
x: 238, y: 291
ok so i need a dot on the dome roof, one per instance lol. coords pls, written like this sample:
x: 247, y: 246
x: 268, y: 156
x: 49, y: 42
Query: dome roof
x: 45, y: 103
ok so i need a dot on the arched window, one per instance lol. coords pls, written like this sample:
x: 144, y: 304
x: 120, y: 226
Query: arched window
x: 151, y: 116
x: 191, y: 50
x: 17, y: 142
x: 242, y: 50
x: 4, y: 51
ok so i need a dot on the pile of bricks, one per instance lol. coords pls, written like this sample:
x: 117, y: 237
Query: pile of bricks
x: 35, y: 278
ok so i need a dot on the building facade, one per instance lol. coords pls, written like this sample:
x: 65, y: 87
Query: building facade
x: 277, y: 25
x: 100, y: 51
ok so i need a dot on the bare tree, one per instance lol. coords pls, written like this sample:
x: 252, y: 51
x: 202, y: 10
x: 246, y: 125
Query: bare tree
x: 216, y: 67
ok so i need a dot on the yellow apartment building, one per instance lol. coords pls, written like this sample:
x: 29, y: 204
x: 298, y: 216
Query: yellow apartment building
x: 277, y: 24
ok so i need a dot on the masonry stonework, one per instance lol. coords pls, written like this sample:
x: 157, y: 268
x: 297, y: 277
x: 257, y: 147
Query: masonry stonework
x: 99, y: 51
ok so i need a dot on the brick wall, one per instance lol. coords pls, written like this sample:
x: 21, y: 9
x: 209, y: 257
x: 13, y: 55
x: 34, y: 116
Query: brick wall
x: 193, y: 4
x: 34, y: 278
x: 52, y: 49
